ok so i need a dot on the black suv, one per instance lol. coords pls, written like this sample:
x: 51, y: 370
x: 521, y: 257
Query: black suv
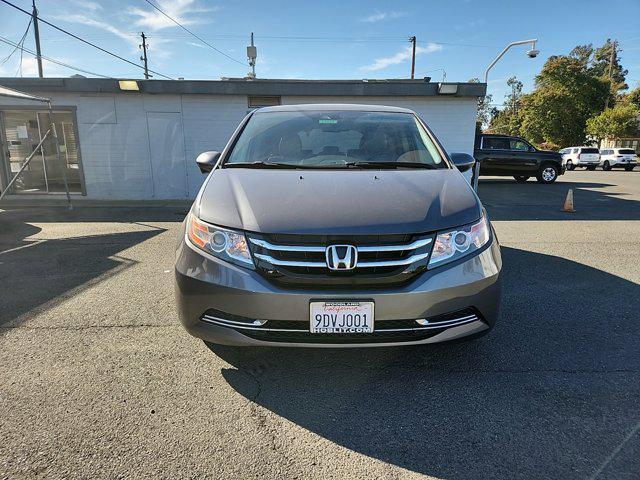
x: 512, y: 156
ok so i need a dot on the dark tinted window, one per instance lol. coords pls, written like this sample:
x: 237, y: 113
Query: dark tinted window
x: 589, y: 150
x: 626, y: 151
x: 521, y: 145
x: 496, y: 143
x: 334, y: 138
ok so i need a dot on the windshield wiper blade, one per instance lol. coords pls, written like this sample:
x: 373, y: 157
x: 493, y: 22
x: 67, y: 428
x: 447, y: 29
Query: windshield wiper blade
x: 366, y: 164
x: 261, y: 164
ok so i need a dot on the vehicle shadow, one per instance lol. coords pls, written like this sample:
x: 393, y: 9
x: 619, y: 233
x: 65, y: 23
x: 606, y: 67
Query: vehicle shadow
x: 551, y: 392
x: 507, y: 200
x: 42, y: 273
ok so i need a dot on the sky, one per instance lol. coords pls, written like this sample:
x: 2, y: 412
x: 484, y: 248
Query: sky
x: 326, y: 39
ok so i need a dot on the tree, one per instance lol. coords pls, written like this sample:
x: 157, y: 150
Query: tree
x: 619, y: 121
x: 486, y: 111
x: 513, y: 99
x: 633, y: 97
x: 566, y: 95
x: 508, y: 120
x: 600, y: 65
x: 583, y: 54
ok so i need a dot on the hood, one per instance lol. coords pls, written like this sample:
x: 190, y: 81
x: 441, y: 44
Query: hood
x: 356, y: 202
x: 550, y: 152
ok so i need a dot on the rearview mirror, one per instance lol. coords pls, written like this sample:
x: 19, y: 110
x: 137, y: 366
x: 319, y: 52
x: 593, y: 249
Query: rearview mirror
x: 207, y: 160
x: 463, y: 161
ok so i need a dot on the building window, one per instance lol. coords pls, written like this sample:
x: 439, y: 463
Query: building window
x: 22, y: 132
x: 263, y: 101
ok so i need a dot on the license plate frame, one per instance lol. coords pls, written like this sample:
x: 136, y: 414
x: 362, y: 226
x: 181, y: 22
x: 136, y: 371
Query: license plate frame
x: 342, y: 317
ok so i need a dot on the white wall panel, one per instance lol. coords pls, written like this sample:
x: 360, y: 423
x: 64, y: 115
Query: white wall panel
x: 209, y: 121
x: 97, y: 109
x: 166, y: 147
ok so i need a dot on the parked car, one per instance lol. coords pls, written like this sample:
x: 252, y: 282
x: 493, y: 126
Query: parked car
x: 513, y: 156
x: 336, y: 225
x: 588, y: 157
x: 618, y: 158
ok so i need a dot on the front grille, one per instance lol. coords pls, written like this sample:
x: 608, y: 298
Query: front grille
x: 287, y: 331
x: 301, y: 260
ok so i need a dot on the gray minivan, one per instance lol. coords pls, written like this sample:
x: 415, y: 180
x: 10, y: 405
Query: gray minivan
x: 336, y: 225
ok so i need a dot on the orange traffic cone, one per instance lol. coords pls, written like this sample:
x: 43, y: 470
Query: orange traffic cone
x: 568, y: 203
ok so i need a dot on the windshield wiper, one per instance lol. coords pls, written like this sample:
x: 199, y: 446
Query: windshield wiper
x: 366, y: 164
x: 261, y: 164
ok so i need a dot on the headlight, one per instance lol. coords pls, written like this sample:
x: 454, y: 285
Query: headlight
x: 454, y: 244
x: 219, y: 242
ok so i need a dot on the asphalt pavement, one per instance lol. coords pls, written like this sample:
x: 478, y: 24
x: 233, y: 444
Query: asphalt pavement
x: 99, y: 380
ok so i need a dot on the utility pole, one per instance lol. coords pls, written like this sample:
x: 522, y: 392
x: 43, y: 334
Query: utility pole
x: 144, y: 55
x: 413, y: 56
x: 36, y: 31
x: 614, y: 48
x: 252, y: 55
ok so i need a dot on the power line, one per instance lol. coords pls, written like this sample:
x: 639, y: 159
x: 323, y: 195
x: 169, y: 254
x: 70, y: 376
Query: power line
x: 84, y: 41
x: 20, y: 42
x: 52, y: 60
x: 193, y: 34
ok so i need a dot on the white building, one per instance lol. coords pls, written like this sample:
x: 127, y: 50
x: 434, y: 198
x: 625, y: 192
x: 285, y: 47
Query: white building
x: 141, y: 144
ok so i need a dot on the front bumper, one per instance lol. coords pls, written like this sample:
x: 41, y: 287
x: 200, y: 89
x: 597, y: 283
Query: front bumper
x: 204, y: 283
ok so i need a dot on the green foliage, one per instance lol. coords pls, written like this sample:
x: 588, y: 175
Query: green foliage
x: 566, y: 95
x: 600, y: 65
x: 619, y: 121
x: 509, y: 120
x: 486, y: 111
x: 597, y: 60
x: 633, y: 97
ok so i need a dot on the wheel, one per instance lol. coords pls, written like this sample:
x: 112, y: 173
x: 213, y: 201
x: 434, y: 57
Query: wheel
x: 628, y: 169
x: 521, y: 178
x: 606, y: 166
x: 570, y: 165
x: 547, y: 174
x: 591, y: 167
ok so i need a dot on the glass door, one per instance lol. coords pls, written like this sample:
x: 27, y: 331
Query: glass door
x: 21, y: 137
x: 68, y: 164
x: 22, y: 132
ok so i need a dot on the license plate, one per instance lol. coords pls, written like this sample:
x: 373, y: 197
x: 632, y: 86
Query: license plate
x: 341, y: 317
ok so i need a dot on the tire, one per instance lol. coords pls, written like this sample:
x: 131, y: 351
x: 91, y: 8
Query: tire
x: 606, y: 166
x: 547, y: 174
x: 591, y: 168
x: 521, y: 178
x: 628, y: 169
x: 570, y: 165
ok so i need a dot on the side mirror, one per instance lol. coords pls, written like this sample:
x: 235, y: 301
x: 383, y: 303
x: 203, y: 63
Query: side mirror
x: 207, y: 160
x: 463, y: 161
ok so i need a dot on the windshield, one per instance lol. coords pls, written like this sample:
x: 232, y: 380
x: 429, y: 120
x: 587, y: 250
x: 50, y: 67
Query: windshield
x: 627, y: 151
x: 589, y: 150
x: 317, y: 139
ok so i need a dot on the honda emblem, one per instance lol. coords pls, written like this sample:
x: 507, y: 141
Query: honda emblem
x: 342, y: 257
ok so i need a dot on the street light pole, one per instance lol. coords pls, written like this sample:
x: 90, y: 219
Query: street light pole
x: 533, y: 53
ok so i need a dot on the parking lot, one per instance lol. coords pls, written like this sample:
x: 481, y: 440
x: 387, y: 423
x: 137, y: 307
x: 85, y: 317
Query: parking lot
x: 98, y: 379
